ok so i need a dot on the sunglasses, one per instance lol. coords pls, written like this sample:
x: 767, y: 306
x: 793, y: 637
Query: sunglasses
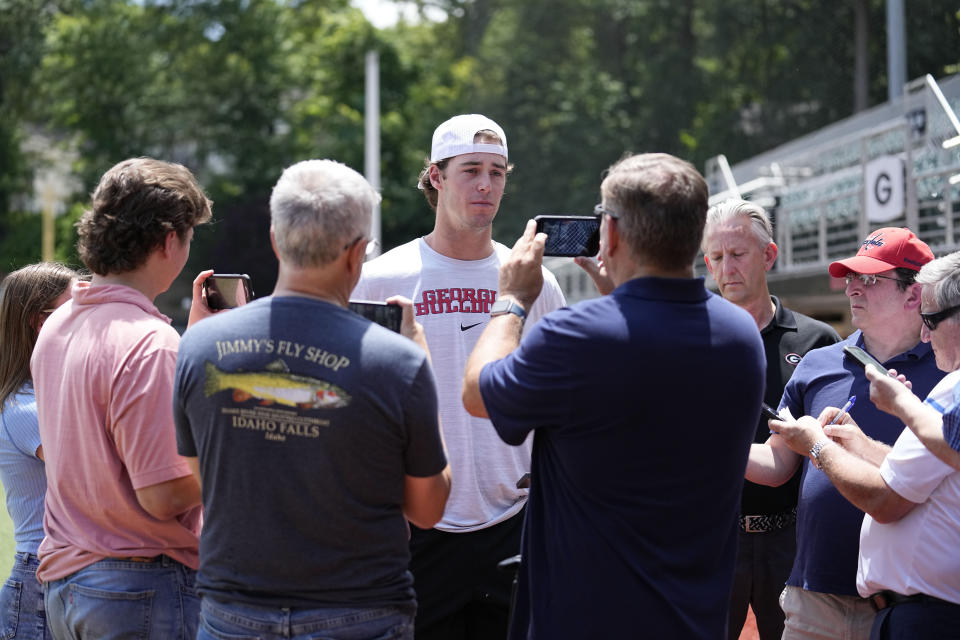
x: 931, y: 320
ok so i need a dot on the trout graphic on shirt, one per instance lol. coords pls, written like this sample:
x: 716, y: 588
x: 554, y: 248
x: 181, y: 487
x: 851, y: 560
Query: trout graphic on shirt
x: 275, y: 385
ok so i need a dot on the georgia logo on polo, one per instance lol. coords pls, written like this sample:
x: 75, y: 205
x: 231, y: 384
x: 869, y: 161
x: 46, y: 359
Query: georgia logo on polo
x: 792, y: 358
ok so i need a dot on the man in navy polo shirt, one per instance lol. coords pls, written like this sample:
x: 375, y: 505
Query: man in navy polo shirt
x: 643, y: 404
x: 739, y: 250
x: 908, y: 564
x: 821, y: 599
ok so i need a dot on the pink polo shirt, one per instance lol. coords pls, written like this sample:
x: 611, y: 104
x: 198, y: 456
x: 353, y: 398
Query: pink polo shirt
x: 103, y: 372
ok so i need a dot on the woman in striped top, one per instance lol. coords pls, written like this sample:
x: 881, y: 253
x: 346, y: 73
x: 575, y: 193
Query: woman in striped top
x: 27, y: 297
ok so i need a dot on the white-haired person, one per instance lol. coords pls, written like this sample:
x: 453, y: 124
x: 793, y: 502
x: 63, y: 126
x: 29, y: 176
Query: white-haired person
x: 315, y: 428
x: 908, y: 566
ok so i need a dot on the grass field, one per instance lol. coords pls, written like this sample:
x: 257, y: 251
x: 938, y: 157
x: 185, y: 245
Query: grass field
x: 6, y: 544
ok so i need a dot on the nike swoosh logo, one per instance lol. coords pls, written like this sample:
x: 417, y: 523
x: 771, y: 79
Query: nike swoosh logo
x: 470, y: 326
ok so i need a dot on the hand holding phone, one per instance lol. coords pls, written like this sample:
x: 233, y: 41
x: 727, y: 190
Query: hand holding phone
x: 227, y: 290
x: 570, y: 236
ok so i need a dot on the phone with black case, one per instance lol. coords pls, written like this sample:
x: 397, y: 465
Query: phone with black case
x: 767, y: 412
x: 569, y: 236
x: 227, y: 290
x: 386, y: 315
x: 863, y: 358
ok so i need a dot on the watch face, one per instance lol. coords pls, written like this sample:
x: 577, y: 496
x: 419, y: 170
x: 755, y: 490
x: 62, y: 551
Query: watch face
x: 501, y: 307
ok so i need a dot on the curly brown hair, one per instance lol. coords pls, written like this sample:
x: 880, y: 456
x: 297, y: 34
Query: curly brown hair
x: 137, y: 203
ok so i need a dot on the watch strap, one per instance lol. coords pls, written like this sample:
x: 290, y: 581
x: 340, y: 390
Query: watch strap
x: 503, y: 306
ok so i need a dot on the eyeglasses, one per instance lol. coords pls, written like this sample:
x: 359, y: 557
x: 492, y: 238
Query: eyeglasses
x: 360, y: 237
x: 600, y: 211
x: 868, y: 279
x: 934, y: 318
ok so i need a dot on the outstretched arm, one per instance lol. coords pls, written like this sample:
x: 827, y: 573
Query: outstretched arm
x: 521, y: 278
x: 891, y: 394
x: 857, y: 479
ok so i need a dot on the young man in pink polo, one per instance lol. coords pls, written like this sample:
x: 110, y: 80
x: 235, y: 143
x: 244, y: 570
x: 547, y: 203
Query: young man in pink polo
x: 122, y: 507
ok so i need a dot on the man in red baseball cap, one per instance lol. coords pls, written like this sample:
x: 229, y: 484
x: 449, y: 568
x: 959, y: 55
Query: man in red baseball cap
x: 821, y: 599
x: 885, y: 249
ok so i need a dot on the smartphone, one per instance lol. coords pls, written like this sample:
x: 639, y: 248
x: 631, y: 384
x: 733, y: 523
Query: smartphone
x: 767, y: 412
x: 570, y: 236
x: 386, y: 315
x: 524, y: 481
x: 228, y: 290
x: 863, y: 358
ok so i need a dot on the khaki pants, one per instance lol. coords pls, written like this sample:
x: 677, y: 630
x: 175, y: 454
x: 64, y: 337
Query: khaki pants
x: 822, y: 616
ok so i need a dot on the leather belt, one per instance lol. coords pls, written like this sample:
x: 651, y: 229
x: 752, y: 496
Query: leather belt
x: 767, y: 522
x: 140, y: 559
x: 885, y: 599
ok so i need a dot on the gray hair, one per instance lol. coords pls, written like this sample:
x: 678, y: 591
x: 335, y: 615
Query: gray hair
x: 317, y: 208
x: 943, y: 274
x: 734, y: 208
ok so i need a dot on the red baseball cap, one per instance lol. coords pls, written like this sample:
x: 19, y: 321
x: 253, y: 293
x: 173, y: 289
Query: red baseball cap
x: 885, y: 249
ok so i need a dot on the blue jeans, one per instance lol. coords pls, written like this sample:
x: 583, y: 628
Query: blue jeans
x: 116, y: 599
x: 237, y: 621
x: 21, y: 602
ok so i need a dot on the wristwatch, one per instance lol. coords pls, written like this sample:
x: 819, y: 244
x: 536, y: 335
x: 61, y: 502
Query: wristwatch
x: 506, y: 305
x: 815, y: 452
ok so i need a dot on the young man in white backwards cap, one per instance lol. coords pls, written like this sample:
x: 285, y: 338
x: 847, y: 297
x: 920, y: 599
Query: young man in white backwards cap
x: 451, y: 276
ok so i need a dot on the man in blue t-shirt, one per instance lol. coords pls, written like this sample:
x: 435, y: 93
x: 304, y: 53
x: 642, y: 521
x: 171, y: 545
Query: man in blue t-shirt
x: 639, y: 444
x: 821, y: 599
x: 315, y: 433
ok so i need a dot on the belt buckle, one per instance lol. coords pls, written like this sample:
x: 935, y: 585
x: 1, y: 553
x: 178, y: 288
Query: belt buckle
x: 879, y: 600
x: 748, y: 524
x: 143, y: 559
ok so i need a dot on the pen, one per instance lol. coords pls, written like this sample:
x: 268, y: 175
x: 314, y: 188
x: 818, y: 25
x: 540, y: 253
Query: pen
x: 844, y: 410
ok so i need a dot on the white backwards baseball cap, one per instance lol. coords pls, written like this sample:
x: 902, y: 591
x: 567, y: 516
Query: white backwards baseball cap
x: 455, y: 137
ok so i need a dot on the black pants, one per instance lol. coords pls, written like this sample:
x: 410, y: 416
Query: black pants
x: 918, y: 621
x: 764, y: 561
x: 461, y: 595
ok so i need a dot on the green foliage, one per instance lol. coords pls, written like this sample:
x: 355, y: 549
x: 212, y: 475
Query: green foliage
x: 8, y: 545
x: 20, y: 241
x: 21, y: 49
x: 239, y: 89
x: 21, y: 237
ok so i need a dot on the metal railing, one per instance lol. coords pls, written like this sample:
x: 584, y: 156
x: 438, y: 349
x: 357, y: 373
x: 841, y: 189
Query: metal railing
x: 816, y: 193
x: 813, y: 187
